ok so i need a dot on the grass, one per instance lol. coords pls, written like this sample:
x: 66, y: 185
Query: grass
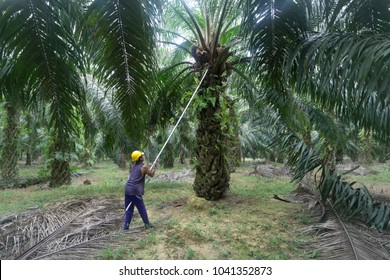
x: 107, y: 180
x: 246, y: 224
x: 243, y: 225
x: 379, y: 182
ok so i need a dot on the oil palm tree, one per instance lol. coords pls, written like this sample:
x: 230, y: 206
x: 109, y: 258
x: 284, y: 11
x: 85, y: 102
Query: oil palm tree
x: 280, y: 35
x: 10, y: 155
x: 38, y: 36
x: 207, y: 36
x: 10, y: 96
x: 47, y: 42
x: 258, y: 129
x: 327, y: 53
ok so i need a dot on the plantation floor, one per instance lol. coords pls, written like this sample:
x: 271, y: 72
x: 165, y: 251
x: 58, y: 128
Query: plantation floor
x: 248, y: 223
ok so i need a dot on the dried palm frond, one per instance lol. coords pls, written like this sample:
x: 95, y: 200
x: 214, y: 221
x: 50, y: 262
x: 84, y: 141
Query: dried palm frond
x: 85, y: 246
x: 30, y: 234
x: 77, y: 229
x: 346, y: 240
x: 21, y: 231
x: 337, y: 237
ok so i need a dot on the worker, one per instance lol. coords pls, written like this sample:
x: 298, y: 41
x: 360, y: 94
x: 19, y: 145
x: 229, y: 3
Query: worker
x: 134, y: 189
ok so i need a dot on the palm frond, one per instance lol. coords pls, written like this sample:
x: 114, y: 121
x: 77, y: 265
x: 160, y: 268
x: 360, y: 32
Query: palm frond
x: 199, y: 34
x: 336, y: 239
x: 74, y: 230
x: 174, y: 82
x: 39, y: 36
x: 351, y: 201
x: 109, y: 119
x: 364, y: 15
x: 219, y: 25
x: 124, y: 55
x: 303, y: 158
x: 50, y: 232
x: 324, y: 123
x: 348, y: 64
x: 274, y: 28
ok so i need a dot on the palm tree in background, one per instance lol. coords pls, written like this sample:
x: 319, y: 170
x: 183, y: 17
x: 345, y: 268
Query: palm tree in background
x: 46, y: 43
x: 9, y: 169
x: 330, y: 58
x: 105, y: 122
x: 46, y: 65
x: 324, y: 52
x: 13, y: 104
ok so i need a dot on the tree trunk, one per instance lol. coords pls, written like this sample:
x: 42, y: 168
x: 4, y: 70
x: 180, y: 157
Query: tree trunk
x: 367, y: 148
x: 60, y: 167
x: 186, y: 140
x: 87, y: 158
x: 339, y: 155
x: 168, y: 157
x: 31, y: 140
x: 212, y: 175
x: 384, y: 155
x: 28, y: 157
x: 9, y: 169
x: 330, y: 159
x: 280, y: 157
x: 122, y: 160
x: 182, y: 154
x: 60, y: 173
x: 231, y: 136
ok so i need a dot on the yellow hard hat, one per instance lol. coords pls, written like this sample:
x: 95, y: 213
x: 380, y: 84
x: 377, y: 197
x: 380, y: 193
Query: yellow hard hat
x: 136, y: 155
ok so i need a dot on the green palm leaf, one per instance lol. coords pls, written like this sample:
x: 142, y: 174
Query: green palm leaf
x: 348, y: 64
x: 274, y: 28
x: 123, y: 53
x: 45, y: 52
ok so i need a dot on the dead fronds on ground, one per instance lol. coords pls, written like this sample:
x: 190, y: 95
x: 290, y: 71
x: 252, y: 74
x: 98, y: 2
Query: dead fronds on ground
x: 60, y: 230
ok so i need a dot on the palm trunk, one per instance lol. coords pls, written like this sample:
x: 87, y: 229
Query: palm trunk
x: 339, y: 155
x: 122, y: 159
x: 182, y: 154
x: 330, y: 159
x: 169, y: 157
x: 367, y: 148
x: 86, y: 160
x: 60, y: 167
x: 212, y: 175
x: 31, y: 140
x: 383, y: 157
x: 231, y: 132
x: 28, y: 157
x: 186, y: 143
x: 9, y: 169
x: 87, y: 156
x: 60, y: 173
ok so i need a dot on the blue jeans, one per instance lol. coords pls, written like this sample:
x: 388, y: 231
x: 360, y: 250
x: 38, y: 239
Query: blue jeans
x: 139, y: 203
